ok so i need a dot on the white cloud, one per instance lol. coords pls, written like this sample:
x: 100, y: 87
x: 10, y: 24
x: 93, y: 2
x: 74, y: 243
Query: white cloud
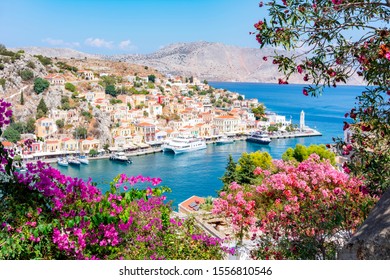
x: 99, y: 43
x: 61, y: 43
x: 127, y: 45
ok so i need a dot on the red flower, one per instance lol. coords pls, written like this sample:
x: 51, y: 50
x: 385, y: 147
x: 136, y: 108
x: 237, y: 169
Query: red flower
x: 299, y: 69
x: 305, y: 92
x: 265, y: 58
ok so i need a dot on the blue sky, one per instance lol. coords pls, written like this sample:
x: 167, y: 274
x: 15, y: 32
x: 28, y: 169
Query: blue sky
x: 126, y: 26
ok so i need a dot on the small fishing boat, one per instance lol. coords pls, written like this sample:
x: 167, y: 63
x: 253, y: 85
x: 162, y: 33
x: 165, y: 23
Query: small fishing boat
x: 74, y: 161
x: 62, y: 162
x: 83, y: 160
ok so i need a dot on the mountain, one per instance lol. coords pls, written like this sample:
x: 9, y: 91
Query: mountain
x: 204, y: 60
x: 55, y: 52
x: 215, y: 62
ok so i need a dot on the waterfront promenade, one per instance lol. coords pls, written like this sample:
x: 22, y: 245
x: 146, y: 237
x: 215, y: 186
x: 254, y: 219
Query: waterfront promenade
x: 237, y: 137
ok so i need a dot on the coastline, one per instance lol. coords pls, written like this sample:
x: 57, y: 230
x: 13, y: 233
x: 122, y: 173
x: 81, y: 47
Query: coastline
x: 135, y: 153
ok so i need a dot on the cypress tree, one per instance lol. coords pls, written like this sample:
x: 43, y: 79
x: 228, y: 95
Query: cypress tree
x: 21, y: 99
x: 230, y: 174
x: 42, y: 108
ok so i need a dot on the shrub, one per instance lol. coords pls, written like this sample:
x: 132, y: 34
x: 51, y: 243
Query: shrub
x: 31, y: 64
x: 301, y: 153
x: 71, y: 87
x: 306, y: 211
x: 40, y: 85
x: 44, y: 60
x: 26, y: 75
x: 47, y: 215
x: 2, y: 82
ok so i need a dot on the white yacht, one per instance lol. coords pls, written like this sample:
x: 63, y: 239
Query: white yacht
x: 83, y: 159
x: 121, y: 157
x: 224, y: 140
x: 183, y: 144
x: 259, y: 137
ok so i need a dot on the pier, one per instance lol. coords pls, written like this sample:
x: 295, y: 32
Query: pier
x: 297, y: 134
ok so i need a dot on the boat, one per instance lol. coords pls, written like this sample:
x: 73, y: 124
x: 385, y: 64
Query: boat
x: 62, y: 162
x: 74, y: 161
x: 224, y: 140
x: 83, y: 160
x: 121, y: 157
x: 259, y: 137
x: 184, y: 144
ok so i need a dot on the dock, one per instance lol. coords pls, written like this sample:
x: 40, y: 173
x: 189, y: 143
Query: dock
x: 297, y: 134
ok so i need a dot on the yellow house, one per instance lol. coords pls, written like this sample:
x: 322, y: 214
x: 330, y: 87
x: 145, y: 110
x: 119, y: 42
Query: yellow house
x: 88, y: 144
x: 68, y: 144
x: 45, y: 127
x: 52, y: 145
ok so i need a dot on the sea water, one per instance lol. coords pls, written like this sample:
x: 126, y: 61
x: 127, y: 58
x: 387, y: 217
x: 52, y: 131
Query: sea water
x: 198, y: 172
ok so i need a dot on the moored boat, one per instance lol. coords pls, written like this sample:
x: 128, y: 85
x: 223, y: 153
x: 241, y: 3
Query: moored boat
x: 83, y: 160
x: 74, y: 161
x: 184, y: 144
x: 259, y: 138
x: 121, y: 157
x: 62, y: 162
x: 224, y: 140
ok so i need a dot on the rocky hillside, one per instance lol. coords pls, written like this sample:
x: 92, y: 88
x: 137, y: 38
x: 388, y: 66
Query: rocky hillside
x: 55, y: 52
x: 214, y: 62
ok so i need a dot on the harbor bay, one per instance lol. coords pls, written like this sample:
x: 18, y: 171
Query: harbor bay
x: 198, y: 172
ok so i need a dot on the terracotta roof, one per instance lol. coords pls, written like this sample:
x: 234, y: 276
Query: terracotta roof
x: 226, y: 117
x: 7, y: 144
x: 194, y: 200
x: 54, y: 76
x: 145, y: 124
x: 52, y: 141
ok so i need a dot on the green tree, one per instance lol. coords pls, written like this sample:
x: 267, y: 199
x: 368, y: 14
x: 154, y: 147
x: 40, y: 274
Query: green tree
x: 40, y: 85
x: 71, y: 87
x: 80, y: 132
x: 60, y: 123
x: 248, y: 162
x: 230, y: 174
x: 331, y: 56
x: 65, y: 105
x: 42, y: 108
x: 152, y: 78
x: 259, y: 111
x: 110, y: 89
x: 11, y: 135
x: 272, y: 128
x: 30, y: 125
x: 93, y: 153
